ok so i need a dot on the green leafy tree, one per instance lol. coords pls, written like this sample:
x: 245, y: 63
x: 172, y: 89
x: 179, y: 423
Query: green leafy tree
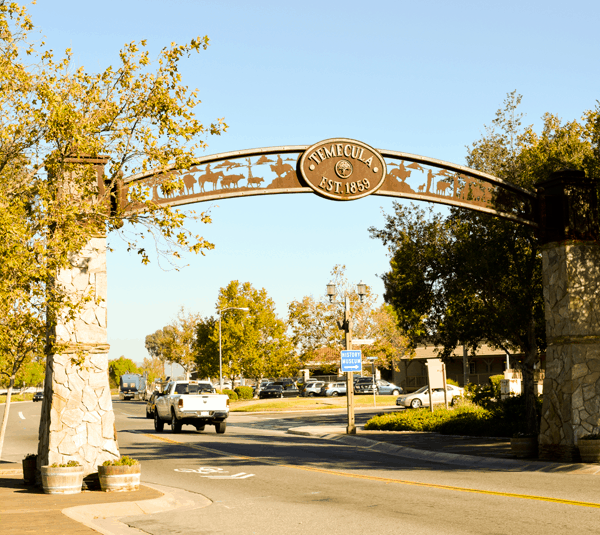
x: 138, y: 114
x: 154, y: 367
x: 31, y: 375
x: 318, y: 338
x: 470, y: 278
x: 119, y: 367
x: 254, y: 343
x: 176, y: 342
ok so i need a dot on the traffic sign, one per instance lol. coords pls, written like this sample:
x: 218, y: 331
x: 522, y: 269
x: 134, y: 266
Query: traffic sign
x: 352, y: 361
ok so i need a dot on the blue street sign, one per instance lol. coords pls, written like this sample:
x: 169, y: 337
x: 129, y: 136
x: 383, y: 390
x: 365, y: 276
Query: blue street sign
x: 352, y: 361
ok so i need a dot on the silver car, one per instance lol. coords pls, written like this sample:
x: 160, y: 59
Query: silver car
x: 313, y: 388
x: 388, y: 389
x: 333, y: 389
x: 420, y: 398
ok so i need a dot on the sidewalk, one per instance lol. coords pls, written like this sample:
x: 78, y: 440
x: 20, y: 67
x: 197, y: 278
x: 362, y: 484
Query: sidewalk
x: 28, y: 510
x: 474, y: 453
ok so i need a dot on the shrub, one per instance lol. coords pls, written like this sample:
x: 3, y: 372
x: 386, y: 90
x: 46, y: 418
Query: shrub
x: 70, y: 464
x: 244, y: 392
x: 122, y: 461
x: 495, y: 382
x: 232, y: 395
x: 452, y: 382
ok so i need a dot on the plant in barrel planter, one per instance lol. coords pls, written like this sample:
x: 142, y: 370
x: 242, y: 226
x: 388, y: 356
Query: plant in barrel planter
x: 29, y: 468
x: 62, y: 478
x: 589, y: 448
x: 524, y: 445
x: 121, y: 475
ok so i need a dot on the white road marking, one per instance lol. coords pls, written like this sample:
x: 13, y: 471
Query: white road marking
x: 241, y: 475
x: 21, y: 415
x: 208, y: 470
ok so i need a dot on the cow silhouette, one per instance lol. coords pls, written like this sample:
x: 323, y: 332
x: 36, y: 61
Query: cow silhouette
x: 254, y: 180
x: 228, y: 180
x: 441, y: 187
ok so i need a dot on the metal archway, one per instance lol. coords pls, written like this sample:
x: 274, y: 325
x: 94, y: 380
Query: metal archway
x: 280, y: 170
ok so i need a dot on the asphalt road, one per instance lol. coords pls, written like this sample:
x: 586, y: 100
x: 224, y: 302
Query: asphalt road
x: 261, y: 481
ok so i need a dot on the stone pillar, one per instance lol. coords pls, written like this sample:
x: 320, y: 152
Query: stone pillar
x: 77, y: 420
x: 571, y: 280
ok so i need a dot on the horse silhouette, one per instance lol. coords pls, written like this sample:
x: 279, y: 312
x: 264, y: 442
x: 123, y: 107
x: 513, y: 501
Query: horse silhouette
x: 211, y: 177
x: 281, y: 169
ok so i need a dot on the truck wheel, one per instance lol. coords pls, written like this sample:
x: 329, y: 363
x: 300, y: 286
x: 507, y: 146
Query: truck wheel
x: 175, y: 425
x: 159, y: 425
x: 149, y: 414
x: 220, y: 427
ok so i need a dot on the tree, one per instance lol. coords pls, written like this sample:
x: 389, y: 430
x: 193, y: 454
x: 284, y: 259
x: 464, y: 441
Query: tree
x: 119, y: 367
x: 175, y: 342
x: 470, y: 278
x: 154, y: 367
x: 314, y: 326
x: 31, y: 375
x: 52, y: 113
x: 254, y: 343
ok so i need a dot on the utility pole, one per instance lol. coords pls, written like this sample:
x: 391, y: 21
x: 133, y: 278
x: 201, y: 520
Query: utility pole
x: 346, y: 326
x: 351, y: 428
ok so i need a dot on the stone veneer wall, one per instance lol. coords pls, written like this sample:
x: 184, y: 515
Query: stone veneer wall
x: 571, y: 406
x: 77, y: 420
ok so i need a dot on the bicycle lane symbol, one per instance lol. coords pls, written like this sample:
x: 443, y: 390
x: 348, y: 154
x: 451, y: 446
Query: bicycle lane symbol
x: 213, y: 473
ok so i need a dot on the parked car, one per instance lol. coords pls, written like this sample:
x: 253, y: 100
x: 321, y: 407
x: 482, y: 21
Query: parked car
x: 333, y: 389
x: 388, y: 389
x: 271, y: 391
x: 420, y: 398
x: 363, y: 385
x: 38, y: 396
x: 151, y: 404
x: 313, y: 388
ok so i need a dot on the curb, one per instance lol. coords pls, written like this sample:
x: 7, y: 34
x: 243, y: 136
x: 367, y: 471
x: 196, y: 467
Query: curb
x: 456, y: 459
x: 111, y: 518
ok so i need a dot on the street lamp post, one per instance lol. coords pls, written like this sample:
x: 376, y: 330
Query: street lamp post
x: 347, y: 327
x: 220, y: 311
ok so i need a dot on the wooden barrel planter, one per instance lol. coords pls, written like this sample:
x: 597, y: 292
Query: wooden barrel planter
x: 62, y: 479
x: 119, y: 478
x: 589, y: 450
x: 524, y: 447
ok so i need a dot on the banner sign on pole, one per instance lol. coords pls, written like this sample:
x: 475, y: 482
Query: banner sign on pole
x: 352, y: 361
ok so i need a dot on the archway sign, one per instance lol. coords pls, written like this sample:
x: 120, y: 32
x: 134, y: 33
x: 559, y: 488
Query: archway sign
x: 77, y: 420
x: 339, y: 169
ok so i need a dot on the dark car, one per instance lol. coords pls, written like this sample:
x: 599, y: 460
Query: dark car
x: 271, y: 391
x: 275, y: 390
x: 363, y: 385
x: 151, y: 404
x: 38, y: 396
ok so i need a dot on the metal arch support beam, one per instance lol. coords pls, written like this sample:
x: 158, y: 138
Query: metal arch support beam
x: 290, y: 183
x: 221, y: 157
x: 458, y: 169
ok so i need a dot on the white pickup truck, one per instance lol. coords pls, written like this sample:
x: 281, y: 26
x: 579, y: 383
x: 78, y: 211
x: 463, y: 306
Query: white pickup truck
x: 191, y: 402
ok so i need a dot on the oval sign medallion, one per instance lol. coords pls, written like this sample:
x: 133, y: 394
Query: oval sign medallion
x: 343, y: 169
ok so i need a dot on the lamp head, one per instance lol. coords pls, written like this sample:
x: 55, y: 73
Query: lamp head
x: 331, y: 291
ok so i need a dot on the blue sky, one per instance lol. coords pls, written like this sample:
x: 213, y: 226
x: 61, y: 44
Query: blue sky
x: 420, y: 77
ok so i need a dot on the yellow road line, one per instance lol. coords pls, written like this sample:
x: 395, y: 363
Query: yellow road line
x: 383, y: 479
